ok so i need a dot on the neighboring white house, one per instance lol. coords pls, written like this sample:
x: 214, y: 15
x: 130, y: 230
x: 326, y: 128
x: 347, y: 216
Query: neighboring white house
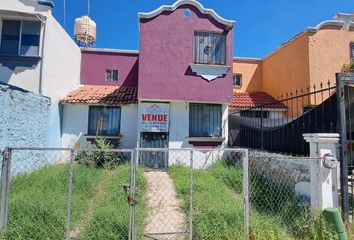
x: 36, y: 54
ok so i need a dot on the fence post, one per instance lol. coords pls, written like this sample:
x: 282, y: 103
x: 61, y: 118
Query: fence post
x: 134, y: 164
x: 246, y: 203
x: 70, y: 194
x: 324, y: 181
x: 191, y: 196
x: 5, y: 179
x: 262, y: 137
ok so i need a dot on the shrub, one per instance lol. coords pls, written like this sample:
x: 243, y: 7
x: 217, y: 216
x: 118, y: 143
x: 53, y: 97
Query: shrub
x: 99, y: 158
x: 348, y: 68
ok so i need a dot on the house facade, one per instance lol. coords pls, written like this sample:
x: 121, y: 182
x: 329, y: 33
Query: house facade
x: 174, y: 92
x: 312, y: 57
x: 37, y: 55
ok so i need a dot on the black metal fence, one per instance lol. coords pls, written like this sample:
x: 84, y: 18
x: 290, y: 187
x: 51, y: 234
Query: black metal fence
x: 278, y: 126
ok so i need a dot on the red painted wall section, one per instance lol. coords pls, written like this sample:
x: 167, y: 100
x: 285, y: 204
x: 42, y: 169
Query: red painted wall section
x: 166, y: 50
x: 95, y: 63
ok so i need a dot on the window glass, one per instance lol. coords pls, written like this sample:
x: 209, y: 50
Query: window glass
x: 104, y: 121
x: 204, y: 120
x: 352, y: 50
x: 30, y: 38
x: 112, y: 75
x: 237, y: 80
x: 255, y: 114
x: 209, y: 48
x: 10, y: 37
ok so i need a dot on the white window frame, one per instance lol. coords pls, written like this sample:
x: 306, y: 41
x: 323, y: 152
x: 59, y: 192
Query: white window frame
x: 2, y: 19
x: 111, y: 70
x: 213, y: 32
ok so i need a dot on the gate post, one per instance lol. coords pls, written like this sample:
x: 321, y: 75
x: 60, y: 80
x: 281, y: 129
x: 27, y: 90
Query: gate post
x: 342, y: 80
x: 324, y: 181
x: 5, y: 179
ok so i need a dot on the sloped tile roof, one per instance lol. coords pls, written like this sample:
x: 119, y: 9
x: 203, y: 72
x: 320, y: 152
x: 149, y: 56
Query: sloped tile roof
x: 255, y: 99
x: 107, y: 95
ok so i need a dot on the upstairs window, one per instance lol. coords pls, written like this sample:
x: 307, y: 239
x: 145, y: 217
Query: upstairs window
x: 20, y: 37
x: 204, y: 120
x: 104, y: 121
x: 111, y: 75
x: 352, y: 51
x: 237, y: 80
x: 209, y: 48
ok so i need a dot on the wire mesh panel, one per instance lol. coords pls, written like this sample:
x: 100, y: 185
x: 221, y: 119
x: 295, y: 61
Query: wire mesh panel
x: 280, y: 197
x: 66, y: 194
x: 38, y: 194
x: 199, y: 195
x: 163, y: 211
x: 100, y: 190
x: 220, y: 194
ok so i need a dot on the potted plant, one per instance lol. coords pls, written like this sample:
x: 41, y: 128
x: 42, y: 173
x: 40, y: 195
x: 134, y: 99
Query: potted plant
x: 348, y: 68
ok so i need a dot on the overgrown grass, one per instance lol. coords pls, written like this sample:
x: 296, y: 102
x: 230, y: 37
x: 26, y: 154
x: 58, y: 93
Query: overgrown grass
x: 275, y: 203
x: 218, y: 207
x: 217, y: 210
x: 111, y: 218
x: 39, y: 200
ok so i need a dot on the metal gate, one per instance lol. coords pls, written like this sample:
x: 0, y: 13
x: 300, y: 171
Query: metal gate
x: 160, y: 213
x: 154, y: 159
x: 345, y: 96
x: 161, y: 200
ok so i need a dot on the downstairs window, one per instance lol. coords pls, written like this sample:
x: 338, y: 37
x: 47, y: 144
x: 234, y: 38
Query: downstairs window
x: 205, y: 120
x: 104, y: 121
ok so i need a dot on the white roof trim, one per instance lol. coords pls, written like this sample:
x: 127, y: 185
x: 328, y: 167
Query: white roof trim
x: 171, y: 8
x: 344, y: 20
x: 109, y: 50
x: 248, y: 59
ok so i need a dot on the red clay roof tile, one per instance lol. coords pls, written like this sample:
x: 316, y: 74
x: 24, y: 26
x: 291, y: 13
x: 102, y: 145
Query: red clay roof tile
x: 107, y: 95
x: 255, y: 99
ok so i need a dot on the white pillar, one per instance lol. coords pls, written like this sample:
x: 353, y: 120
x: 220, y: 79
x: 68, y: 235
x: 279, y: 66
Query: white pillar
x: 324, y: 181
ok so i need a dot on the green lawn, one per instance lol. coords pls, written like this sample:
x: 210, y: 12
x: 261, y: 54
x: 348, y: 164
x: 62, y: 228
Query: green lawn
x: 38, y: 203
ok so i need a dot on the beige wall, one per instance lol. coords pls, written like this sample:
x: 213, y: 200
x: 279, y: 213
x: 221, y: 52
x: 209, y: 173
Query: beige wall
x: 251, y: 71
x: 287, y: 69
x: 329, y: 49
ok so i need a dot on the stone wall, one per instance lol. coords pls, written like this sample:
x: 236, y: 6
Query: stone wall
x: 292, y: 172
x: 24, y: 118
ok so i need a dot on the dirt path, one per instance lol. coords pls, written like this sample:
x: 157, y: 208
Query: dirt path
x: 165, y: 219
x: 100, y: 192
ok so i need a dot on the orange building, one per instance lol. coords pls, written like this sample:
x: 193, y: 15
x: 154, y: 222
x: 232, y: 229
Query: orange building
x: 310, y: 58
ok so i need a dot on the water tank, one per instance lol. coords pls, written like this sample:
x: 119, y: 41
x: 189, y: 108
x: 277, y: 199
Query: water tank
x: 85, y: 30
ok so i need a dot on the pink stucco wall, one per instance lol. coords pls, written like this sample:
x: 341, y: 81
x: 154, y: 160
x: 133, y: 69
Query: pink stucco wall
x: 95, y: 63
x: 166, y: 50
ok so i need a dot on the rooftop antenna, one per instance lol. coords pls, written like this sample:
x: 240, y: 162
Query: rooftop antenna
x: 85, y: 29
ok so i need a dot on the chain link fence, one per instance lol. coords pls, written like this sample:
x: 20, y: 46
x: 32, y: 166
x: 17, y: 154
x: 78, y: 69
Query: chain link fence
x: 156, y: 194
x: 66, y: 194
x: 281, y: 189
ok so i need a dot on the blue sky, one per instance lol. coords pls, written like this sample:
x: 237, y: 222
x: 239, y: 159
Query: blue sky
x: 261, y: 26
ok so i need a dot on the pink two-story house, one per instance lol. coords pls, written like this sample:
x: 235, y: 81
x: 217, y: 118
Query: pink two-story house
x: 174, y: 92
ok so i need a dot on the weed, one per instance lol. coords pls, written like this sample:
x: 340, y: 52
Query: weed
x: 96, y: 158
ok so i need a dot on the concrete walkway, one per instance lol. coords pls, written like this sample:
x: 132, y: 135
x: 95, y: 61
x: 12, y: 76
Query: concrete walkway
x: 165, y: 219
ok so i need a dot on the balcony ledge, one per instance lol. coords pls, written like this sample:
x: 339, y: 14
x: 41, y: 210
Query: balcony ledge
x: 209, y: 72
x: 205, y: 141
